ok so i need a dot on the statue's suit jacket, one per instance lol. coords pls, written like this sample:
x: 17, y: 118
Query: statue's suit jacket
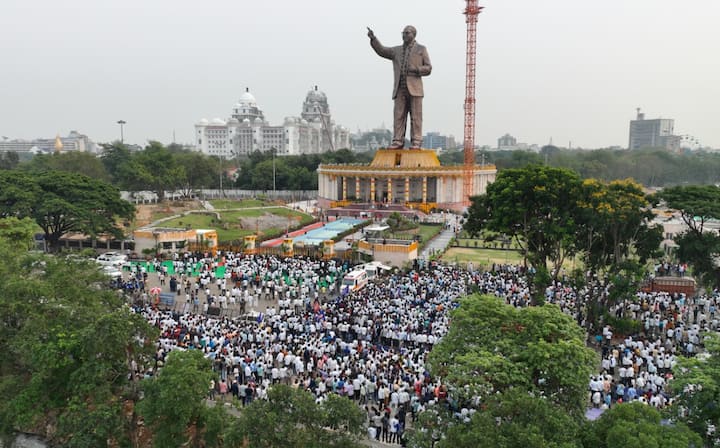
x: 418, y: 59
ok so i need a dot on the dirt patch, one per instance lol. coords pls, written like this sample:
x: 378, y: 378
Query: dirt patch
x: 264, y: 222
x: 147, y: 213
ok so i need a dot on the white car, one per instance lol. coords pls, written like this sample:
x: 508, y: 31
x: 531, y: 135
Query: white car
x: 112, y: 271
x: 111, y: 259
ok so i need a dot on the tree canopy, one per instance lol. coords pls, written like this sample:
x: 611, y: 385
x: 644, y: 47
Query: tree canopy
x: 493, y: 347
x: 637, y: 425
x: 516, y: 419
x: 66, y: 346
x: 291, y: 418
x: 535, y: 205
x: 174, y: 401
x: 61, y: 202
x: 697, y: 388
x: 700, y: 248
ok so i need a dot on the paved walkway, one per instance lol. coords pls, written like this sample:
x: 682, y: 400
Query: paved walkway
x: 438, y: 244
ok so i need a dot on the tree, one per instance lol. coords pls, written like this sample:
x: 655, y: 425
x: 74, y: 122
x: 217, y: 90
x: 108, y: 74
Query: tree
x: 61, y: 202
x: 493, y: 347
x: 174, y: 402
x: 637, y: 425
x: 66, y: 349
x: 17, y: 232
x: 9, y: 160
x: 615, y: 240
x: 154, y: 169
x: 697, y: 204
x: 535, y: 205
x: 697, y: 389
x: 515, y: 419
x: 116, y: 159
x: 291, y: 418
x: 79, y: 162
x: 200, y: 171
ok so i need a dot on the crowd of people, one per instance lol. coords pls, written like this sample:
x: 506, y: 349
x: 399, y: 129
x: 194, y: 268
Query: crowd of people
x: 371, y: 345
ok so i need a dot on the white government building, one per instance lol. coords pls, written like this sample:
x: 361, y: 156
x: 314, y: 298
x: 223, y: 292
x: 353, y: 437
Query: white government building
x: 247, y: 130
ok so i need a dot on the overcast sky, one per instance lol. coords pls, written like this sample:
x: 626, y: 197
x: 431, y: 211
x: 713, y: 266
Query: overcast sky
x: 570, y: 70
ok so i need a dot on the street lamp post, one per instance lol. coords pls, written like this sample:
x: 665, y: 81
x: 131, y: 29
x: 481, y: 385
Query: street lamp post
x: 122, y: 137
x: 221, y: 175
x: 273, y: 160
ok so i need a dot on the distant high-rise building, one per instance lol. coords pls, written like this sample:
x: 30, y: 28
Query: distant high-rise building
x: 372, y: 140
x: 433, y: 140
x: 507, y: 141
x: 247, y: 130
x: 73, y: 142
x: 656, y: 133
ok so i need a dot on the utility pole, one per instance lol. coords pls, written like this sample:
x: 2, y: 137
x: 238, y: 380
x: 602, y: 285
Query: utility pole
x: 121, y: 123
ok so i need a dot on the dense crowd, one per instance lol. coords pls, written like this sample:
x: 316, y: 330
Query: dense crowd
x: 371, y: 345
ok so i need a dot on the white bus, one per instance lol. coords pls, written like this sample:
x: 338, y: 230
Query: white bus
x: 354, y: 281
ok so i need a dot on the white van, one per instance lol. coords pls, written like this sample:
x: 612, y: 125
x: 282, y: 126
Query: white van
x: 355, y: 280
x: 375, y: 268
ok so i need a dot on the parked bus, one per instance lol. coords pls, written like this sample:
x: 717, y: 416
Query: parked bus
x: 354, y: 280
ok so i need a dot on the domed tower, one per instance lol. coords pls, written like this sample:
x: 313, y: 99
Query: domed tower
x: 58, y: 144
x: 315, y: 105
x: 316, y: 112
x: 246, y: 107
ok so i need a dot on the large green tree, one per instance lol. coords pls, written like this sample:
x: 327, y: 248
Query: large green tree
x: 291, y: 418
x: 199, y: 171
x: 535, y: 205
x: 79, y: 162
x: 116, y: 159
x: 61, y: 202
x: 514, y: 419
x: 67, y: 344
x: 174, y: 402
x: 155, y: 169
x: 493, y: 347
x: 637, y: 425
x: 615, y: 239
x: 700, y: 248
x: 696, y: 385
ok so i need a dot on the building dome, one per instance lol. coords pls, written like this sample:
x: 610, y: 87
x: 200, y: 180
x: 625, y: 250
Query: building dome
x: 203, y: 121
x: 316, y: 96
x: 246, y: 120
x: 246, y: 99
x: 258, y: 120
x: 218, y: 121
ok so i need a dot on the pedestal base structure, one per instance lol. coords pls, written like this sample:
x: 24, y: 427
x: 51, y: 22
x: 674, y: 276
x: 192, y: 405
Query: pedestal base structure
x: 408, y: 178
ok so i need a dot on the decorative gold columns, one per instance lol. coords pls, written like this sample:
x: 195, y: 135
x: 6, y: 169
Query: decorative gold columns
x: 424, y: 189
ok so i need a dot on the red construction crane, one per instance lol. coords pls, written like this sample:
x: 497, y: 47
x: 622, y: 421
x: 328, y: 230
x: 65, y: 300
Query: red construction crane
x: 471, y: 16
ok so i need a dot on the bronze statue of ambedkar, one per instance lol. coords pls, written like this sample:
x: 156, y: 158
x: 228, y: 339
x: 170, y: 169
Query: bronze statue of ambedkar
x: 410, y: 63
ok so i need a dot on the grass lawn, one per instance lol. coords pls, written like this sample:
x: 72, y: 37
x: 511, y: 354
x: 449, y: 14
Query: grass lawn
x: 229, y: 228
x: 220, y: 204
x: 426, y: 232
x: 481, y: 257
x: 486, y: 257
x: 469, y: 242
